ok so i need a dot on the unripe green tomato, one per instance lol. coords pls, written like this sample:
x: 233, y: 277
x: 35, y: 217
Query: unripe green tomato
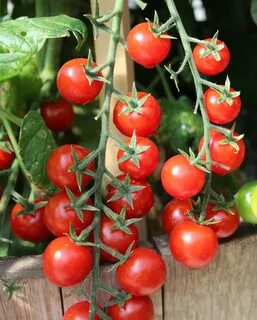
x: 246, y: 202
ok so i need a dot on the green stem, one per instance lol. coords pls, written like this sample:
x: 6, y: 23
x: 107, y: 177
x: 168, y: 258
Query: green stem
x: 164, y: 81
x: 11, y: 117
x: 212, y: 85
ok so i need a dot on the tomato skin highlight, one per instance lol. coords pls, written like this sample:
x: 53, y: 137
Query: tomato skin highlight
x: 145, y: 48
x: 180, y: 179
x: 65, y: 263
x: 58, y: 115
x: 193, y: 245
x: 79, y: 311
x: 73, y: 85
x: 209, y: 65
x: 138, y: 275
x: 134, y: 308
x: 144, y: 123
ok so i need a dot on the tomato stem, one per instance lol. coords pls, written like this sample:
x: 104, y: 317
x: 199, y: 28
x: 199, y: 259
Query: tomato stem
x: 11, y: 117
x: 164, y: 81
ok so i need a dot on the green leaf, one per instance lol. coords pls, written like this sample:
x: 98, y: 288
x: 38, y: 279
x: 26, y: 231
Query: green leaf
x: 36, y: 144
x: 22, y: 38
x: 254, y: 10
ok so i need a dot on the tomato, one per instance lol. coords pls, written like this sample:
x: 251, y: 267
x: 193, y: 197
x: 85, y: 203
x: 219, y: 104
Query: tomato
x: 143, y: 273
x: 6, y: 159
x: 174, y: 213
x: 134, y: 308
x: 29, y: 227
x: 144, y: 123
x: 148, y: 159
x: 226, y: 223
x: 65, y: 263
x: 73, y: 84
x: 209, y: 65
x: 58, y: 115
x: 79, y: 311
x: 142, y: 199
x: 146, y: 48
x: 116, y: 239
x: 224, y: 154
x: 221, y: 112
x: 58, y: 216
x: 246, y: 202
x: 180, y: 178
x: 60, y: 162
x: 192, y: 244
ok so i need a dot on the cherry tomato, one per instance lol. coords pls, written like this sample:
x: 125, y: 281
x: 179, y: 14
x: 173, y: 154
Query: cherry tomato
x: 142, y: 199
x: 65, y: 263
x: 174, y: 213
x: 134, y: 308
x: 58, y: 115
x: 73, y: 84
x: 192, y: 244
x: 29, y: 227
x: 60, y: 162
x: 224, y: 154
x: 144, y: 123
x: 221, y: 112
x: 148, y: 159
x: 79, y: 311
x: 146, y: 48
x: 6, y: 159
x: 143, y: 273
x: 180, y: 179
x: 209, y: 65
x: 58, y: 215
x: 227, y: 223
x: 116, y: 239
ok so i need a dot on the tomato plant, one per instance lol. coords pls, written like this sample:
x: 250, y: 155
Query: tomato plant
x: 6, y: 158
x: 79, y: 311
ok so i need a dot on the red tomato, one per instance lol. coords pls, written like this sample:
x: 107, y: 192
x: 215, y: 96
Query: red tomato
x: 145, y: 48
x: 180, y: 179
x: 174, y: 213
x: 116, y: 239
x: 6, y: 159
x: 227, y: 223
x: 134, y: 308
x: 60, y: 162
x: 58, y: 216
x: 142, y: 200
x: 221, y: 113
x: 224, y: 154
x: 144, y: 123
x: 65, y: 263
x: 148, y: 159
x: 209, y: 65
x: 29, y: 227
x: 143, y: 273
x: 192, y: 244
x: 79, y: 311
x: 58, y: 115
x: 73, y: 84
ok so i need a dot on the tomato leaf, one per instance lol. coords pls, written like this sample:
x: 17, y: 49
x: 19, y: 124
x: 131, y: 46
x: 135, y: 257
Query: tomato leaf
x: 36, y: 144
x: 254, y: 10
x: 22, y: 38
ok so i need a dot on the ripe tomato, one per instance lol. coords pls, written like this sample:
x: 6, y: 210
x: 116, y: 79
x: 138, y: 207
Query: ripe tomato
x: 148, y: 159
x: 73, y: 84
x: 116, y: 239
x: 79, y: 311
x: 143, y: 273
x: 144, y: 123
x: 134, y: 308
x: 58, y: 215
x: 180, y: 179
x: 65, y: 263
x: 227, y: 223
x: 209, y: 65
x: 58, y: 115
x: 29, y: 227
x: 224, y: 154
x: 6, y: 159
x: 142, y: 199
x: 145, y: 48
x: 60, y: 162
x: 192, y: 244
x: 221, y: 112
x: 174, y: 213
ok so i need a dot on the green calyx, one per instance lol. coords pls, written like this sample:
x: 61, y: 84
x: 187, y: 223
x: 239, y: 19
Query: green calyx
x: 225, y: 93
x: 212, y: 47
x: 232, y: 139
x: 160, y: 31
x: 29, y: 206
